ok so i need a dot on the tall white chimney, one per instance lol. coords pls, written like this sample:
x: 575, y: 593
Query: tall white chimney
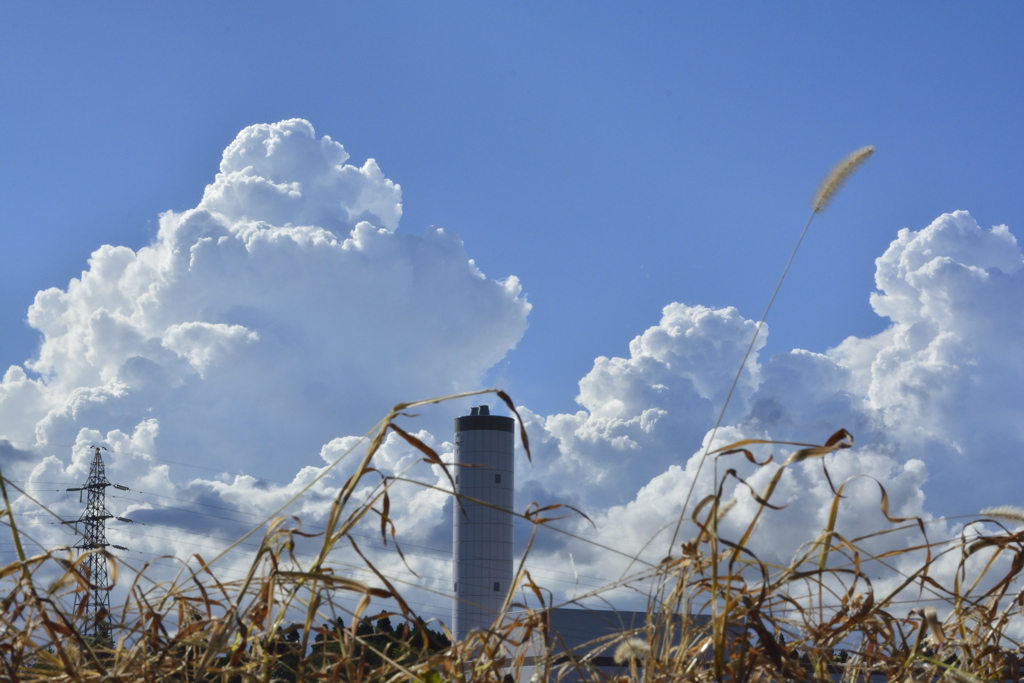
x: 482, y: 539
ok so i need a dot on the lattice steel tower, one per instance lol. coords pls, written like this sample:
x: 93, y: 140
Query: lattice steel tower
x: 95, y: 602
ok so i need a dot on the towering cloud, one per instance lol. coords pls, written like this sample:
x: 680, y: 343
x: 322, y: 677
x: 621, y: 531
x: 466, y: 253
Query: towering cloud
x: 263, y: 328
x: 271, y: 318
x: 933, y: 401
x: 945, y: 377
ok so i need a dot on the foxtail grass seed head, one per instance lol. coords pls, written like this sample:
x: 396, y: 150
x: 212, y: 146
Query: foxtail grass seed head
x: 1007, y: 512
x: 631, y: 649
x: 839, y: 174
x: 724, y: 510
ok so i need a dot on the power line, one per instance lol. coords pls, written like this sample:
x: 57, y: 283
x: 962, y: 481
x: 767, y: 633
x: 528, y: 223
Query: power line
x: 243, y: 572
x: 444, y: 552
x: 420, y: 505
x: 407, y: 545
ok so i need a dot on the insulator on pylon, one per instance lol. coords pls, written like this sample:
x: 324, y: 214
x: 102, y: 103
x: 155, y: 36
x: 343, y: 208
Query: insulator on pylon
x: 94, y: 518
x: 124, y: 519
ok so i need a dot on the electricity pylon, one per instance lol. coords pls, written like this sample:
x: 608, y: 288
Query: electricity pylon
x: 93, y: 604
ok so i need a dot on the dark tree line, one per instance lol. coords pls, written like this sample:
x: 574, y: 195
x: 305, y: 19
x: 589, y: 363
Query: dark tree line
x: 335, y: 651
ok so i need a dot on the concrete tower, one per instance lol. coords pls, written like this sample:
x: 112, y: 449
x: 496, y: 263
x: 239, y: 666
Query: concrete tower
x: 482, y: 539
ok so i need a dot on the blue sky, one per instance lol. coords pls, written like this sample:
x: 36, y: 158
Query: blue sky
x: 615, y: 157
x: 628, y: 164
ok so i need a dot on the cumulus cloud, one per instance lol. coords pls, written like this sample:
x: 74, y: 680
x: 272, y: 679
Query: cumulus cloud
x: 933, y: 401
x: 269, y: 319
x: 283, y: 175
x: 203, y: 343
x: 945, y: 377
x: 641, y: 413
x: 263, y: 328
x: 252, y: 335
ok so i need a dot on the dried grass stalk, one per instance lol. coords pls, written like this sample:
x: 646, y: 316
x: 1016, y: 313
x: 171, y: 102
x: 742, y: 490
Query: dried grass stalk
x: 931, y: 617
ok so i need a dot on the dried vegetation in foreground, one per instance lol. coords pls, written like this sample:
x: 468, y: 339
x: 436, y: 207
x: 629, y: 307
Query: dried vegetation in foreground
x: 819, y: 618
x: 283, y: 621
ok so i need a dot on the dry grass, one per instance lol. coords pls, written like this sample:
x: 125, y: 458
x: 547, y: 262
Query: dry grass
x: 770, y: 622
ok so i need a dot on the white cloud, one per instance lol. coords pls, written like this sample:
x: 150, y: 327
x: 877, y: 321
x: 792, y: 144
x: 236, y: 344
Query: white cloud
x: 283, y: 175
x: 934, y: 403
x: 945, y: 377
x: 203, y: 343
x: 641, y: 413
x: 284, y: 314
x: 266, y: 318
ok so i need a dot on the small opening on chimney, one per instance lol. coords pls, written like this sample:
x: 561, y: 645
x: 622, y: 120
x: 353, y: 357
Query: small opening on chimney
x: 497, y: 586
x: 497, y: 478
x: 456, y: 586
